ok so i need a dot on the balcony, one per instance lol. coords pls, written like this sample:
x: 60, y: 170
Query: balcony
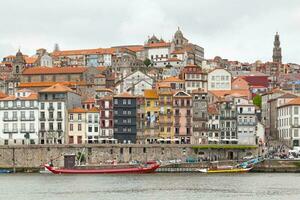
x: 42, y: 119
x: 59, y: 119
x: 27, y: 119
x: 50, y: 108
x: 295, y: 125
x: 10, y: 131
x: 247, y: 124
x: 10, y: 119
x: 50, y: 119
x: 27, y: 130
x: 227, y: 117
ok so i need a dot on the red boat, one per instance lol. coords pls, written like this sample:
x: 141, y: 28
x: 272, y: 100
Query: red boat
x: 136, y: 169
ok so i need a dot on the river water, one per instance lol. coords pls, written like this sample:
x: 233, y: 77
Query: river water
x: 186, y: 186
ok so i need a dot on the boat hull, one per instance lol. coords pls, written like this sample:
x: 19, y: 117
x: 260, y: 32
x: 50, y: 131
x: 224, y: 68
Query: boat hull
x: 239, y: 170
x: 135, y: 170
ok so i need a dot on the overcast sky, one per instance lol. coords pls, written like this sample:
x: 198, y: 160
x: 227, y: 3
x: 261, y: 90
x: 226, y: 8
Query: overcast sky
x: 233, y: 29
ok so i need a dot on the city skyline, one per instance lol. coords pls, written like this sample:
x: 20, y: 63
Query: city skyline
x: 223, y: 29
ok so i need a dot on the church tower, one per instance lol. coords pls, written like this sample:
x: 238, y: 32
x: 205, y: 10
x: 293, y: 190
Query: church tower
x: 18, y: 64
x: 277, y: 50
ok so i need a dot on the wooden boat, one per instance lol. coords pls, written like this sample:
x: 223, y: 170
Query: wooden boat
x: 113, y: 170
x: 225, y: 170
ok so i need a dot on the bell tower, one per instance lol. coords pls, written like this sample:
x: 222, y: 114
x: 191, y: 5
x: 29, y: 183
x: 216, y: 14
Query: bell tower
x: 277, y: 57
x: 18, y: 64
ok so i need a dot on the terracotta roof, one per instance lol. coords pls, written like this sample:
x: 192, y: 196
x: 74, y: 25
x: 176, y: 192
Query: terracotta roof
x: 178, y: 52
x: 151, y: 94
x: 235, y: 93
x: 192, y: 69
x: 198, y: 91
x: 94, y: 110
x: 135, y: 48
x: 2, y: 95
x: 99, y: 76
x: 163, y: 85
x: 84, y: 52
x: 101, y: 68
x: 48, y: 84
x: 104, y: 90
x: 157, y: 45
x: 172, y: 79
x: 89, y: 100
x: 32, y: 96
x: 212, y: 109
x: 54, y: 70
x: 31, y: 60
x: 77, y: 110
x: 125, y: 95
x: 295, y: 101
x: 57, y: 88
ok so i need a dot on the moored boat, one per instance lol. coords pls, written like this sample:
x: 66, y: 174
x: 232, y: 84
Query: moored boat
x: 231, y: 170
x: 113, y: 170
x: 5, y: 171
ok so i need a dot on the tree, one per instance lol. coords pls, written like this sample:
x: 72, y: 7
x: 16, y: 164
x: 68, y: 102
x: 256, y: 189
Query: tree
x: 257, y: 100
x: 147, y: 62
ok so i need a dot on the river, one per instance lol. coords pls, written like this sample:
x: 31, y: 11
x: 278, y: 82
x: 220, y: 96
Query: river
x: 185, y: 186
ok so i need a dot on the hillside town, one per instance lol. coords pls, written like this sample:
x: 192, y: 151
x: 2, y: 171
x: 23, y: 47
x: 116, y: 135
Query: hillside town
x: 159, y: 92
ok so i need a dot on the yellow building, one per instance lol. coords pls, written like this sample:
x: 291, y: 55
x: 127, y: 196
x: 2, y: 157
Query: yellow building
x: 166, y: 117
x: 76, y: 126
x: 151, y: 108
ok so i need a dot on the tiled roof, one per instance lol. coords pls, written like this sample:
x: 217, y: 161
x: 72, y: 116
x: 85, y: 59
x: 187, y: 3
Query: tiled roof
x: 77, y: 110
x: 125, y: 95
x: 89, y: 100
x: 135, y: 48
x: 99, y: 76
x: 172, y: 79
x: 54, y: 70
x: 48, y: 84
x: 31, y: 60
x: 295, y: 101
x: 57, y: 88
x: 151, y: 94
x: 104, y: 90
x: 178, y: 52
x: 101, y: 68
x: 212, y: 109
x: 84, y: 52
x: 256, y: 80
x: 2, y: 95
x: 157, y: 45
x: 235, y: 93
x: 32, y: 96
x: 93, y: 110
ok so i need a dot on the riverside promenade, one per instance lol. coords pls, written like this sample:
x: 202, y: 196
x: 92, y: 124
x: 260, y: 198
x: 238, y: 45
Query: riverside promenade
x: 31, y: 157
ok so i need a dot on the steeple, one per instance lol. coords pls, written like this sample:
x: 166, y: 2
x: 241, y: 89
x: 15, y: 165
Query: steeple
x: 277, y: 57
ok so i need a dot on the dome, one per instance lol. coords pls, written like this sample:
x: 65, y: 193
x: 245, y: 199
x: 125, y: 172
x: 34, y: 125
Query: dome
x: 178, y: 34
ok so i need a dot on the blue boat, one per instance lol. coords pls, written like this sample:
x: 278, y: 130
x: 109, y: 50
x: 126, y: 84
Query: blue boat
x: 5, y: 171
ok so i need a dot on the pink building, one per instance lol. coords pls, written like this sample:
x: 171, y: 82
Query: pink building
x: 182, y: 105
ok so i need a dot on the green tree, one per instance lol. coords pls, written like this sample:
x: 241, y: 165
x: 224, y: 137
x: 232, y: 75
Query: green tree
x: 147, y: 62
x: 257, y: 100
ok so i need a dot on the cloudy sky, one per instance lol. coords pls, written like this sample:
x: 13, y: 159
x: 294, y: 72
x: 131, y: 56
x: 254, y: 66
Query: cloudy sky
x: 233, y: 29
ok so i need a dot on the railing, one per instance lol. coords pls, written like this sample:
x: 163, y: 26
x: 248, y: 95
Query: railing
x: 27, y: 119
x: 10, y: 119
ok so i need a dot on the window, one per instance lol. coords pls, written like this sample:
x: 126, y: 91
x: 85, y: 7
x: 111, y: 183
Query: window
x: 5, y: 127
x: 15, y: 114
x: 124, y: 101
x: 59, y: 115
x: 90, y: 117
x: 42, y: 126
x: 71, y: 117
x: 129, y: 101
x: 23, y: 127
x: 22, y: 104
x: 79, y: 127
x: 71, y: 127
x: 23, y: 114
x: 296, y: 110
x: 42, y: 106
x: 59, y: 126
x: 96, y: 129
x: 31, y: 114
x: 31, y: 126
x: 59, y: 105
x: 79, y: 117
x: 148, y: 103
x: 51, y: 126
x: 5, y: 115
x: 116, y: 101
x: 90, y: 129
x: 50, y: 115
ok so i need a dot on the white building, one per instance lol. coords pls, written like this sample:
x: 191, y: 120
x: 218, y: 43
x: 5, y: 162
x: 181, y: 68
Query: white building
x: 219, y: 79
x: 288, y: 122
x: 129, y: 81
x: 46, y: 61
x: 19, y: 118
x: 246, y: 124
x: 92, y: 125
x: 54, y: 103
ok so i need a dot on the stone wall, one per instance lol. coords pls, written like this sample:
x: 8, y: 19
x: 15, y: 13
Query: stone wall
x: 32, y: 156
